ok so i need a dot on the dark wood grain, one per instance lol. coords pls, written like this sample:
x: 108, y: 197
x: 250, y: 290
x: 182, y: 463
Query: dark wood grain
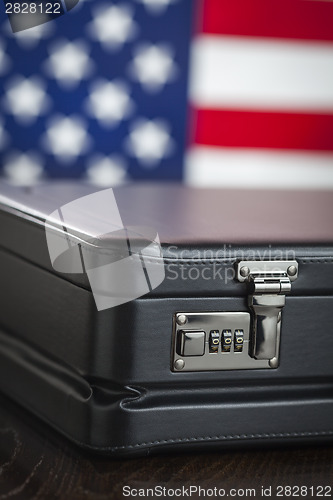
x: 37, y: 463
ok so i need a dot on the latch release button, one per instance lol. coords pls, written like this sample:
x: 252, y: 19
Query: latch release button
x: 191, y: 343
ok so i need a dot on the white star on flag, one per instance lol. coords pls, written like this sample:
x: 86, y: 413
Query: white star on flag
x: 66, y: 138
x: 112, y: 26
x: 69, y: 63
x: 109, y: 102
x: 149, y: 141
x: 23, y: 169
x: 106, y: 170
x: 153, y: 66
x: 26, y: 99
x: 156, y: 6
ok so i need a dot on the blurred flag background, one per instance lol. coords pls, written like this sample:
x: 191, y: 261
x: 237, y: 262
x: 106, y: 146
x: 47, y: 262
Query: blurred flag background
x: 212, y: 92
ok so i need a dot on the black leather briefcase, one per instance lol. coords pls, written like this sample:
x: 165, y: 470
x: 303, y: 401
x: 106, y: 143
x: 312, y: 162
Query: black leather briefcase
x: 213, y: 329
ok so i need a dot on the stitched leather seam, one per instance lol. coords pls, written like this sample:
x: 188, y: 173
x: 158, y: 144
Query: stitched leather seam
x: 227, y: 437
x: 316, y: 261
x: 199, y: 262
x: 222, y: 438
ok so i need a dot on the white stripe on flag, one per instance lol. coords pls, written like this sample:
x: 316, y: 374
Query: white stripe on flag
x: 259, y: 73
x: 248, y: 168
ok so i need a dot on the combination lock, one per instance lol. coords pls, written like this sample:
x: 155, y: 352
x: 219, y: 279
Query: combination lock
x: 237, y: 340
x: 212, y: 341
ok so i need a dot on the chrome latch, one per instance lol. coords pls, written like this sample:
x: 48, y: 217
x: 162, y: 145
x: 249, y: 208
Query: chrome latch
x: 269, y: 282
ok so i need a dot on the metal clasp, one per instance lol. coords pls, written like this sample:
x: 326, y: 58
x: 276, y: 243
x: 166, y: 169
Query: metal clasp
x: 269, y: 282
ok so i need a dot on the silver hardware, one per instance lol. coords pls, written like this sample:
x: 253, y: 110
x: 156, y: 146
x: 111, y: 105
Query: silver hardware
x: 179, y: 364
x: 292, y: 270
x: 267, y: 267
x: 245, y: 271
x: 266, y: 330
x: 274, y: 362
x: 269, y: 282
x: 219, y: 360
x: 181, y: 319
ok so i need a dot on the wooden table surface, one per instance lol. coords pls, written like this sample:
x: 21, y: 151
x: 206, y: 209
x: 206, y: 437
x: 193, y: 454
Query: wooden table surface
x: 37, y: 463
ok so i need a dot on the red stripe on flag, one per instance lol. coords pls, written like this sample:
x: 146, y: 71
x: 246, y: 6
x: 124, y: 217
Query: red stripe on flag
x: 253, y: 129
x: 302, y: 19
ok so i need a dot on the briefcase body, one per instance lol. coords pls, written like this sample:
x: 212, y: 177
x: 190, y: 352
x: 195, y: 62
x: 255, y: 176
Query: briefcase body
x: 212, y: 329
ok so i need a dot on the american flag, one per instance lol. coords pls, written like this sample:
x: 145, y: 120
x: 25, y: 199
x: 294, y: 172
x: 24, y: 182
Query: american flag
x: 214, y: 93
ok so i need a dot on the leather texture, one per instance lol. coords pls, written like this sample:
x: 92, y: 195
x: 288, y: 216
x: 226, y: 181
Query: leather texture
x: 103, y: 379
